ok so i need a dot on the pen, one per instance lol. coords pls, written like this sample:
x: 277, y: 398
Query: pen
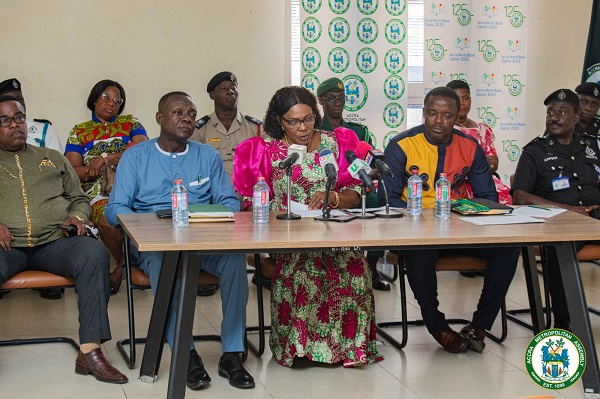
x: 539, y: 207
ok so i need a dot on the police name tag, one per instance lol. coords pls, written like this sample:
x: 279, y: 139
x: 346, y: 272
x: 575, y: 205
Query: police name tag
x: 560, y: 183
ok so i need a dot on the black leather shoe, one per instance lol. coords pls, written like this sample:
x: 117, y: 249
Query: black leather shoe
x: 50, y: 293
x: 206, y: 290
x: 197, y: 376
x: 230, y: 366
x: 379, y: 284
x: 266, y: 282
x: 451, y: 341
x: 474, y: 336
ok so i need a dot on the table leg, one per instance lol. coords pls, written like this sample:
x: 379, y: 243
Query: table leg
x: 533, y: 289
x: 158, y: 319
x: 190, y: 269
x: 580, y: 318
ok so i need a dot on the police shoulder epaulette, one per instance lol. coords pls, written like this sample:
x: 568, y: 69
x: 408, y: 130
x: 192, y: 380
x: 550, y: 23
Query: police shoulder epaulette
x: 535, y: 140
x: 202, y: 121
x: 43, y: 121
x: 253, y: 120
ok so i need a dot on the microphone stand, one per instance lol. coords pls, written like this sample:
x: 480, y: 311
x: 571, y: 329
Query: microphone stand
x: 387, y: 213
x: 289, y: 215
x: 326, y: 209
x: 363, y: 196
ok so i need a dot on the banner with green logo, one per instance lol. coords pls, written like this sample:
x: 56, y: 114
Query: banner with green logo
x: 591, y: 64
x: 364, y: 43
x: 485, y: 44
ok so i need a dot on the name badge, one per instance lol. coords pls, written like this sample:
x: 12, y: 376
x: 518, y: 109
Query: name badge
x: 199, y: 182
x: 560, y: 183
x: 214, y: 140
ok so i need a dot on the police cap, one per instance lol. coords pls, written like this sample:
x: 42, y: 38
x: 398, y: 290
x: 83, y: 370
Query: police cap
x: 10, y: 85
x: 589, y: 89
x: 563, y: 95
x: 218, y: 78
x: 331, y: 84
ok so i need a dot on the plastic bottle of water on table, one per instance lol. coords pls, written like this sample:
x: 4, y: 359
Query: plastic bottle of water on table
x: 414, y: 202
x: 442, y: 197
x: 179, y: 205
x: 260, y: 202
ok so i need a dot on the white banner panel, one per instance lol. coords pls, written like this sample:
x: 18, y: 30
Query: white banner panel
x: 485, y: 44
x: 364, y: 43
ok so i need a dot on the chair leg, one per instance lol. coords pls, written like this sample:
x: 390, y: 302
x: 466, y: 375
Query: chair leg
x: 30, y: 341
x: 404, y: 322
x: 261, y: 328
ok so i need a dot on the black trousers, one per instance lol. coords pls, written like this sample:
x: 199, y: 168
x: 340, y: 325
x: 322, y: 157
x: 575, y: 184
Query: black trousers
x: 82, y: 258
x: 420, y: 270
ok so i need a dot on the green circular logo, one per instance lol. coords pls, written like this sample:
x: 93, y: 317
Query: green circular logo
x: 464, y: 17
x: 555, y: 359
x: 366, y: 60
x: 310, y: 82
x: 367, y: 30
x: 395, y: 7
x: 311, y: 6
x: 338, y: 59
x: 372, y: 138
x: 311, y: 59
x: 437, y: 52
x: 489, y: 119
x: 357, y: 92
x: 393, y: 115
x: 367, y: 7
x: 489, y: 53
x: 311, y: 30
x: 395, y: 31
x: 339, y: 30
x: 339, y: 6
x: 513, y: 152
x: 516, y: 19
x: 394, y: 87
x: 388, y: 137
x: 515, y: 88
x: 394, y: 61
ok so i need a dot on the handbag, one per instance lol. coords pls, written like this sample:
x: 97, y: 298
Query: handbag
x: 108, y: 178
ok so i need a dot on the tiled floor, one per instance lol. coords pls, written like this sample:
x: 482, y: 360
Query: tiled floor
x: 421, y: 370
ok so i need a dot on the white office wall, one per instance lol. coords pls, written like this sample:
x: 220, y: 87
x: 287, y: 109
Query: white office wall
x: 59, y: 49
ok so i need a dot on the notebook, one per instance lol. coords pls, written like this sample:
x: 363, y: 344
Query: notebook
x: 479, y: 206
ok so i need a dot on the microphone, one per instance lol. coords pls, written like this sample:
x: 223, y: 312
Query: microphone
x: 359, y: 169
x: 376, y: 157
x: 329, y: 164
x: 296, y: 155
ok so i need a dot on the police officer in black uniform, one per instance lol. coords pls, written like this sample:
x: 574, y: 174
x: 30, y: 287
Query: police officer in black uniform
x: 589, y: 103
x: 560, y: 169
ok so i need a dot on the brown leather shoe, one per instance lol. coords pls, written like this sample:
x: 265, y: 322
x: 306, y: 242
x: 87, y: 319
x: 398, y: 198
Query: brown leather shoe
x: 96, y: 364
x: 474, y: 336
x: 451, y: 341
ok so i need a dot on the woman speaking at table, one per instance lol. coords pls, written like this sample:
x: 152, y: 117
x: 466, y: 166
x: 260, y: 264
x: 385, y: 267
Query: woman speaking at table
x: 322, y: 305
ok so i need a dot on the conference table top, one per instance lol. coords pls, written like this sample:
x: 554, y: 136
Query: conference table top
x: 150, y: 233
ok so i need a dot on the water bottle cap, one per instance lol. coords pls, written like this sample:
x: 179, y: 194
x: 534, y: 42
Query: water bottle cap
x: 261, y: 178
x: 415, y: 171
x: 443, y: 175
x: 178, y: 181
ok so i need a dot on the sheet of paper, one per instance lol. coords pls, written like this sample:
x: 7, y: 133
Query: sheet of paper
x: 526, y: 210
x: 381, y: 208
x: 504, y: 219
x: 302, y: 210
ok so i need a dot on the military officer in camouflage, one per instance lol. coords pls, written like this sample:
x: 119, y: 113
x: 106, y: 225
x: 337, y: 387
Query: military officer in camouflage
x: 332, y: 97
x: 226, y: 127
x: 589, y: 103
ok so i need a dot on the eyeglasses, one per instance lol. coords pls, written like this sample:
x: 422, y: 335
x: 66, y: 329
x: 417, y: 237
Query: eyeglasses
x: 334, y: 99
x: 6, y: 121
x: 106, y: 97
x: 295, y: 123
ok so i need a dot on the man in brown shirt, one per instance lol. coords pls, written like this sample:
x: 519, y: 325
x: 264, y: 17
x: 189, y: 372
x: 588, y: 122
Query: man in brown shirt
x: 39, y: 192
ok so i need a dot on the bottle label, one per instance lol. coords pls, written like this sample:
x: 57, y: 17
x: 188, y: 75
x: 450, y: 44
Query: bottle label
x: 442, y: 193
x: 414, y: 190
x: 174, y: 201
x: 263, y: 197
x: 178, y: 203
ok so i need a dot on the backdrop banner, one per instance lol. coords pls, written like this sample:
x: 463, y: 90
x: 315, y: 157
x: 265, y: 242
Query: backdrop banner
x: 485, y: 44
x: 591, y: 64
x: 364, y: 43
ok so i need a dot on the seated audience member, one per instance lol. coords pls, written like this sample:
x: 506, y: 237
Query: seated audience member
x: 144, y: 180
x: 483, y: 134
x: 40, y: 133
x: 562, y: 169
x: 40, y: 191
x: 589, y: 103
x: 433, y: 148
x: 322, y: 305
x: 98, y: 142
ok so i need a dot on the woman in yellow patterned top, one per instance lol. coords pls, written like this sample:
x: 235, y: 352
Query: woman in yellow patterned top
x: 103, y: 139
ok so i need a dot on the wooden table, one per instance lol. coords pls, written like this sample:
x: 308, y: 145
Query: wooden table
x: 149, y: 233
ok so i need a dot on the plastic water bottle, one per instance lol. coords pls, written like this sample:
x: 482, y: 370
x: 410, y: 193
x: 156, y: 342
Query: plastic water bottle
x: 179, y: 205
x: 260, y: 201
x: 442, y: 197
x: 414, y: 202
